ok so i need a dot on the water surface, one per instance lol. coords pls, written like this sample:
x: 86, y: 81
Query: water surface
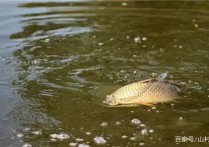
x: 60, y: 59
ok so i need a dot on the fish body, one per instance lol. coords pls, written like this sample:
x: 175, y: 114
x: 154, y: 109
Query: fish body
x: 144, y: 92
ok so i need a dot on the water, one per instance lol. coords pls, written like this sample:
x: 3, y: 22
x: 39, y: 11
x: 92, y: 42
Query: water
x: 59, y: 60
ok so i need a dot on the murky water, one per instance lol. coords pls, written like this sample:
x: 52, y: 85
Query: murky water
x: 59, y: 60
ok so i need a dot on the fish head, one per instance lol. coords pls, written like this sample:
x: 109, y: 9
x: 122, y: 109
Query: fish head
x: 110, y: 100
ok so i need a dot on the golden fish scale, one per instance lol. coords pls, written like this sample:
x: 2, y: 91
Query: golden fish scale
x: 130, y: 90
x: 148, y: 91
x: 158, y: 91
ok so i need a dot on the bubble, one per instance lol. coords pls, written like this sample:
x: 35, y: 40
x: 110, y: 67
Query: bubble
x: 151, y: 130
x: 142, y: 125
x: 134, y: 56
x: 137, y: 40
x: 190, y: 81
x: 79, y: 139
x: 100, y: 43
x: 141, y: 144
x: 47, y: 40
x: 20, y: 135
x: 38, y: 132
x: 118, y: 123
x: 180, y: 118
x: 27, y: 145
x: 99, y: 140
x: 127, y: 37
x: 83, y: 145
x: 124, y: 4
x: 104, y: 124
x: 73, y: 144
x: 88, y: 133
x: 124, y: 137
x: 111, y: 39
x: 53, y: 140
x: 60, y: 136
x: 144, y: 132
x: 144, y: 38
x: 196, y: 25
x: 53, y: 135
x: 135, y: 121
x: 153, y: 108
x: 133, y: 138
x: 26, y: 129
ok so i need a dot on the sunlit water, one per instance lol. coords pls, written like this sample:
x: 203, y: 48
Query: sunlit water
x: 59, y: 60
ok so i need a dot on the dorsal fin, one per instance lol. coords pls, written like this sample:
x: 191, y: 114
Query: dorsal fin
x: 147, y: 80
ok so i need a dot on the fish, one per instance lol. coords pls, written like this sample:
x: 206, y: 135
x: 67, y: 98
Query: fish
x: 145, y: 92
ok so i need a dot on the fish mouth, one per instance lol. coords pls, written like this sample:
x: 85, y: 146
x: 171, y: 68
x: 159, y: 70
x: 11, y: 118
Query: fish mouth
x: 110, y: 100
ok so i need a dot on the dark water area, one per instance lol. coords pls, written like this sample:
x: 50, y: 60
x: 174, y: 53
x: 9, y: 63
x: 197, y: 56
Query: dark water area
x: 59, y: 60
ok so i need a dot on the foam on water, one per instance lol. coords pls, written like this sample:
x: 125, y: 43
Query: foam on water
x: 99, y: 140
x: 61, y: 136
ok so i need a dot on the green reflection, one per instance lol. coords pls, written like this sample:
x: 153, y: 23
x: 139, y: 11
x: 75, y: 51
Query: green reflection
x: 62, y: 73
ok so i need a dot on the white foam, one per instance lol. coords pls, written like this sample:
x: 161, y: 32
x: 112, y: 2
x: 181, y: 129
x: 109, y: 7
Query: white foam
x: 73, y: 144
x: 83, y: 145
x: 137, y: 40
x: 124, y: 4
x: 142, y: 125
x: 104, y: 124
x: 141, y: 144
x: 144, y: 132
x: 99, y: 140
x: 38, y: 132
x: 27, y: 129
x: 144, y: 38
x: 27, y: 145
x: 118, y: 123
x: 133, y: 138
x: 135, y: 121
x: 100, y: 43
x: 79, y: 139
x: 88, y: 133
x: 20, y: 135
x: 180, y: 118
x: 124, y: 137
x: 53, y: 140
x: 60, y: 136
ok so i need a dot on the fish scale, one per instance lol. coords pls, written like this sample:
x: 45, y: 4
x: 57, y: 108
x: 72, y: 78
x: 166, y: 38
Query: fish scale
x: 145, y: 92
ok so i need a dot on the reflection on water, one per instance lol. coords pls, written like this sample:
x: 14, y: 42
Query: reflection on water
x: 65, y: 57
